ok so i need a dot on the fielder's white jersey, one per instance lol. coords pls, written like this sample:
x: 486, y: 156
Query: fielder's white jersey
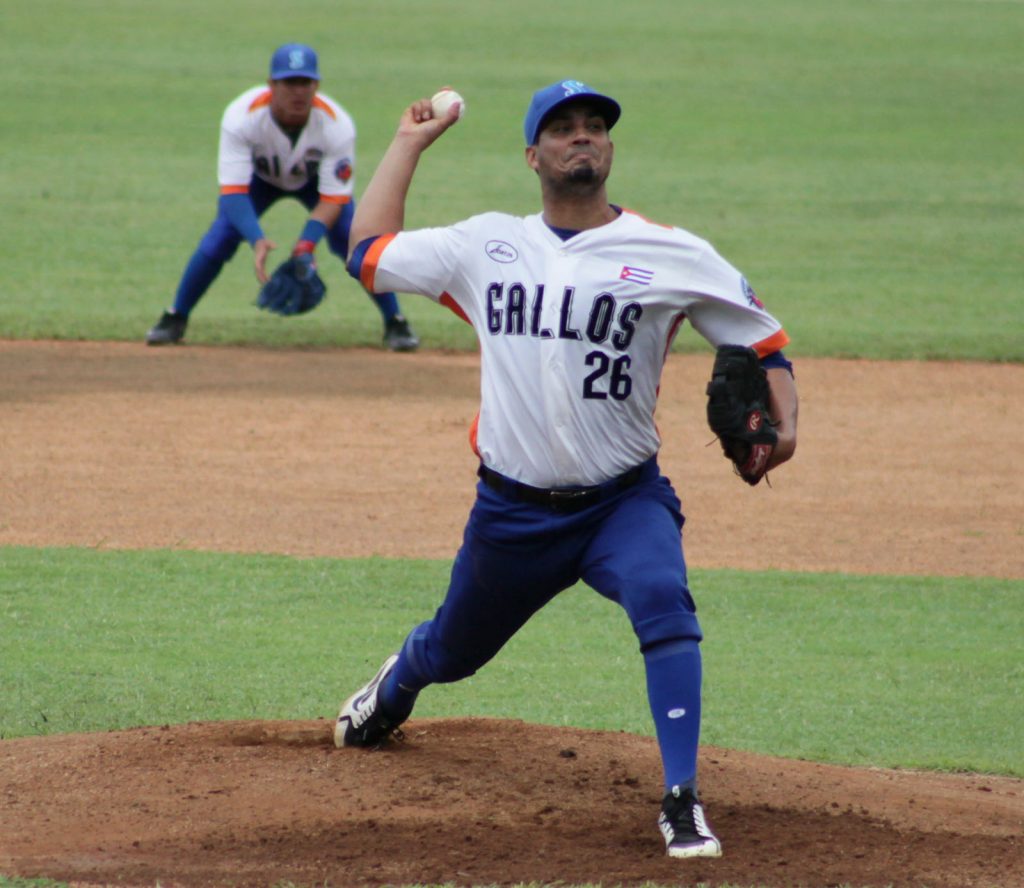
x: 573, y: 334
x: 251, y: 143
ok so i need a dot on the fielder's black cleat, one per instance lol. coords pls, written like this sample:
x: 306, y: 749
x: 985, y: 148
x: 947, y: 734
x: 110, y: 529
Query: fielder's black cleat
x: 169, y: 329
x: 682, y: 823
x: 361, y: 721
x: 398, y: 335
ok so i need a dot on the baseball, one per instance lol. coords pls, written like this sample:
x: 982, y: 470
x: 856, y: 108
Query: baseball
x: 441, y: 101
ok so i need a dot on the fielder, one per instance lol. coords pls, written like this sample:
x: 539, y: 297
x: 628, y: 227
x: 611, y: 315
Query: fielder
x: 575, y: 309
x: 283, y: 139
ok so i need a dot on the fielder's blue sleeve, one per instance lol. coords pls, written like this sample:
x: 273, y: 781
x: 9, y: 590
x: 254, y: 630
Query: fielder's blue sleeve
x: 240, y: 213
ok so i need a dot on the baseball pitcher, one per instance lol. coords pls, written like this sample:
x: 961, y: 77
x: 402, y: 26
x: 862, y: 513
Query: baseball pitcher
x: 575, y: 309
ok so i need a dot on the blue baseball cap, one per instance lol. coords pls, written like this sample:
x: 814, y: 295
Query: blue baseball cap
x: 551, y: 97
x: 294, y: 60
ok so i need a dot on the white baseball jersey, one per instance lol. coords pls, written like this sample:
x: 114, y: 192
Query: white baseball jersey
x: 251, y: 143
x: 573, y: 334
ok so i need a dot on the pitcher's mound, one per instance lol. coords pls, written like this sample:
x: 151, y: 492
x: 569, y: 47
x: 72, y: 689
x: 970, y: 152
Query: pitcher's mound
x: 476, y: 802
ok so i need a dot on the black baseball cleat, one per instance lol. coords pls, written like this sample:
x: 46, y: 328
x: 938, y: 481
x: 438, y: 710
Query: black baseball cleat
x: 682, y: 823
x: 361, y: 721
x: 169, y: 329
x: 398, y: 335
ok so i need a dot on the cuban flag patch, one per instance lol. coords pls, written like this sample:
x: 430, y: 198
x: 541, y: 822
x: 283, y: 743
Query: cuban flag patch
x: 637, y: 275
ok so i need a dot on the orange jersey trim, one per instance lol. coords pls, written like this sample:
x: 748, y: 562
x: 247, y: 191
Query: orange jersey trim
x: 645, y: 219
x: 454, y: 307
x: 474, y: 427
x: 336, y: 198
x: 772, y: 344
x: 323, y: 106
x: 234, y: 189
x: 672, y: 332
x: 368, y: 270
x: 262, y: 99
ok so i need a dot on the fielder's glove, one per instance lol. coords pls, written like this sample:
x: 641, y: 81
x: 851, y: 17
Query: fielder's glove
x: 738, y: 411
x: 294, y: 287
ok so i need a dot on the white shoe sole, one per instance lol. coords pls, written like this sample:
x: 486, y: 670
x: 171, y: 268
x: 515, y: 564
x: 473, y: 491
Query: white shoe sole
x: 707, y: 848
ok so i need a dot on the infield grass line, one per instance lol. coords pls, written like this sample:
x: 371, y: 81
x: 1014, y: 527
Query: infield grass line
x: 902, y: 672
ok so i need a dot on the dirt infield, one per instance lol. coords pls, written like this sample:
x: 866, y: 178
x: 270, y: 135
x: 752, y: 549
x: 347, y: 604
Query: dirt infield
x: 902, y: 467
x: 476, y: 802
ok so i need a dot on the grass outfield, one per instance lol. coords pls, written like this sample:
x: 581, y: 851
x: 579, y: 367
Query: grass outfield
x: 859, y: 162
x: 893, y: 671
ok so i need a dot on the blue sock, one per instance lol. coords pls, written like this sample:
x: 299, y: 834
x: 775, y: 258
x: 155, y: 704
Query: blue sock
x: 387, y: 303
x: 673, y: 690
x: 400, y: 689
x: 399, y: 692
x: 200, y: 272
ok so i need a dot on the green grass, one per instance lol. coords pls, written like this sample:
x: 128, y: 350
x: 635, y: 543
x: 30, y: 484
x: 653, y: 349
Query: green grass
x: 895, y: 671
x: 859, y: 162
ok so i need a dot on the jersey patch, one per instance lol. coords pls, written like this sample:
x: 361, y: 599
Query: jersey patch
x: 638, y: 275
x: 343, y: 170
x: 748, y: 291
x: 500, y: 251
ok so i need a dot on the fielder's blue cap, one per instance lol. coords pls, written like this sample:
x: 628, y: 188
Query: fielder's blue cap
x: 294, y: 60
x: 551, y: 97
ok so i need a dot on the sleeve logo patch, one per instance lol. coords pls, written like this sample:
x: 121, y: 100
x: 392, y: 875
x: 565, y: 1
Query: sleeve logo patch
x: 502, y: 252
x: 637, y: 275
x: 343, y: 171
x: 752, y: 299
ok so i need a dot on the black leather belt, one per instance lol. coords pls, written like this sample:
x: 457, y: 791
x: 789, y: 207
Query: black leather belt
x: 559, y: 499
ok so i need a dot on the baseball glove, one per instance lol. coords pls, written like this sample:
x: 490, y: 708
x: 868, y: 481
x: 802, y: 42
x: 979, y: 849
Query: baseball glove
x: 738, y: 411
x: 294, y: 287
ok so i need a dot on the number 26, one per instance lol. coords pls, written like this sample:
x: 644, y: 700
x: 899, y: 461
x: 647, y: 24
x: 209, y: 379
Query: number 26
x: 619, y: 382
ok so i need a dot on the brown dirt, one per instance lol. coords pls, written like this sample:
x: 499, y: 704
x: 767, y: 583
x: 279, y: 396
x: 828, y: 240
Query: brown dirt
x: 906, y: 468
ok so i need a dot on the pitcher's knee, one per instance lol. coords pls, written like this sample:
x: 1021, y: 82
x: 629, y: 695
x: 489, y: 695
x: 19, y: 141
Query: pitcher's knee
x: 661, y: 609
x: 660, y: 606
x: 658, y: 628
